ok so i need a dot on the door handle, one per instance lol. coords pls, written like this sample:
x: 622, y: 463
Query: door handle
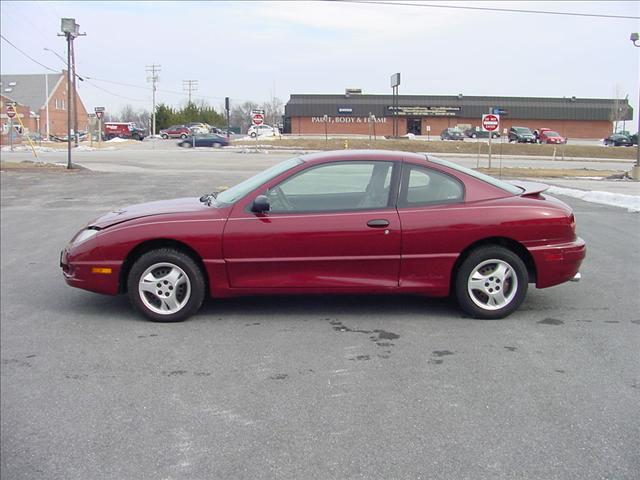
x: 380, y: 223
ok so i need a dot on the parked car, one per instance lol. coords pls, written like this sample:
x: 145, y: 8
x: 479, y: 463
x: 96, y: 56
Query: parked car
x: 262, y: 130
x: 122, y: 130
x: 452, y: 134
x: 346, y: 221
x: 634, y: 138
x: 618, y: 140
x: 175, y: 131
x: 198, y: 127
x: 477, y: 132
x: 207, y: 140
x: 549, y: 136
x: 521, y: 135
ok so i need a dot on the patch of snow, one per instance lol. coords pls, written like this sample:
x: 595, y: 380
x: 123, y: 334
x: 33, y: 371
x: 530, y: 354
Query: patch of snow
x: 117, y: 140
x: 630, y: 202
x: 410, y: 136
x: 83, y: 148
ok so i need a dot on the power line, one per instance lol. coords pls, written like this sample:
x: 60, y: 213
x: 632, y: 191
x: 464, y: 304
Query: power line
x: 27, y: 55
x: 488, y: 9
x: 190, y: 86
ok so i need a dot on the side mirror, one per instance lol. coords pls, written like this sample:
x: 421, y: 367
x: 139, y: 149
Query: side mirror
x: 260, y: 204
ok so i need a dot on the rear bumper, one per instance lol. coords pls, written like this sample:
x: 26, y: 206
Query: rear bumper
x: 558, y: 263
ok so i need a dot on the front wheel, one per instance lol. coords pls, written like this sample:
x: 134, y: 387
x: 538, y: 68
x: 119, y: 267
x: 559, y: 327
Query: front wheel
x: 164, y: 136
x: 166, y: 285
x: 253, y: 135
x: 216, y: 145
x: 491, y: 282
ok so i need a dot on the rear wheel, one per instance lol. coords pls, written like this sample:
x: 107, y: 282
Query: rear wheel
x: 183, y: 136
x: 164, y: 136
x: 216, y: 145
x: 166, y: 285
x: 491, y: 283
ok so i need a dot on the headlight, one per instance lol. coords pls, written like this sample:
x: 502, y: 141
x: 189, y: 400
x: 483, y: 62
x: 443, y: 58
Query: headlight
x: 84, y: 235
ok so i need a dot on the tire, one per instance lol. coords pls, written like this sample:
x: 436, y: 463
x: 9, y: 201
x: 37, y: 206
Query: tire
x: 481, y: 278
x: 475, y: 135
x: 183, y: 136
x: 216, y: 145
x: 168, y: 274
x: 164, y: 136
x: 253, y: 135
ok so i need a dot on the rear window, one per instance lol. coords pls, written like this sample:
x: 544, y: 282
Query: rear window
x: 480, y: 176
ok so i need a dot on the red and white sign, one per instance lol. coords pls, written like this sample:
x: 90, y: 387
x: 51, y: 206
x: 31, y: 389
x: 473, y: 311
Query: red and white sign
x: 490, y: 122
x: 11, y: 112
x: 99, y: 114
x: 257, y: 119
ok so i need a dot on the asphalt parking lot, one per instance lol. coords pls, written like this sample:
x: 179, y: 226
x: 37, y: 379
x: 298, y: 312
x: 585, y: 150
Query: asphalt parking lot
x: 306, y: 387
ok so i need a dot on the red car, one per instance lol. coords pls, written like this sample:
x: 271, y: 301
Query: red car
x: 175, y: 131
x: 336, y: 222
x: 549, y: 136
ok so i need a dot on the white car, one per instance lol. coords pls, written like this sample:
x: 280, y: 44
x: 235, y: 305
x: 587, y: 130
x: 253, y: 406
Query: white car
x: 262, y: 130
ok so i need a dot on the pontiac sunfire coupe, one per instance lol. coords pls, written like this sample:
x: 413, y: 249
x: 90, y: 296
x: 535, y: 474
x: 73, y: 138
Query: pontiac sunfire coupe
x: 356, y: 222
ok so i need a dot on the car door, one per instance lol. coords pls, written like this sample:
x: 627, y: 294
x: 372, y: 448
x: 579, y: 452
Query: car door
x: 428, y: 205
x: 331, y: 226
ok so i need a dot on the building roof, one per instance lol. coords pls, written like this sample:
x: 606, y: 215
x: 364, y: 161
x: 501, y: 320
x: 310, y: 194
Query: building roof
x: 462, y: 106
x: 29, y: 90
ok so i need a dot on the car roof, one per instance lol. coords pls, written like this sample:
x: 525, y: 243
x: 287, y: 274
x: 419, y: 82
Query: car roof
x: 357, y: 155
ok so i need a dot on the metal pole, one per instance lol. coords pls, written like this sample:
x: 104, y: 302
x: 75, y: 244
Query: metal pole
x: 73, y: 93
x: 11, y: 133
x: 490, y: 135
x: 69, y: 167
x: 46, y: 91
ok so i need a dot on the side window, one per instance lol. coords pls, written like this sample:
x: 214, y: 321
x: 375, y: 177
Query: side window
x: 336, y: 186
x: 421, y: 186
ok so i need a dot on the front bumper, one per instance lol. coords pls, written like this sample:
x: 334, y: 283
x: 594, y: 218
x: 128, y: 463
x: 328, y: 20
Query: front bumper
x: 558, y: 263
x: 90, y: 275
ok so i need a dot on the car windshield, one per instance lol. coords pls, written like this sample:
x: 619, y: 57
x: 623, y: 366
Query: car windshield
x: 522, y: 130
x: 552, y: 134
x: 238, y: 191
x: 480, y: 176
x: 454, y: 130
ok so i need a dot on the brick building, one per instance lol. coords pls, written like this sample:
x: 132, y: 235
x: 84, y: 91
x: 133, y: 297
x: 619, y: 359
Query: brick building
x: 32, y: 94
x: 430, y: 114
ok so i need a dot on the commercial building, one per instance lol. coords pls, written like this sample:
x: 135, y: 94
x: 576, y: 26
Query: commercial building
x: 355, y: 113
x: 41, y: 102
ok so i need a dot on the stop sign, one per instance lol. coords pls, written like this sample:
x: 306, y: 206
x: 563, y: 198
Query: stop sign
x: 257, y: 119
x: 10, y: 111
x: 490, y: 122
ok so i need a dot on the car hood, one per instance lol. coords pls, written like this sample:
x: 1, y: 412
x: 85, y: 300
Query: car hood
x: 162, y: 207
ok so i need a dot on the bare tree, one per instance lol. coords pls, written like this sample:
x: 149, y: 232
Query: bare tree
x: 273, y: 111
x: 240, y: 115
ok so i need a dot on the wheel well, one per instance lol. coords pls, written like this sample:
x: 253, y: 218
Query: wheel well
x: 147, y: 246
x: 507, y: 243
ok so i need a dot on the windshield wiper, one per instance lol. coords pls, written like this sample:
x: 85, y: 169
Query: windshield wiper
x: 208, y: 198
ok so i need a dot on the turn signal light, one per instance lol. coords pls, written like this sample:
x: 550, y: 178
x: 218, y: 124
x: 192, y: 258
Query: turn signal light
x: 102, y: 270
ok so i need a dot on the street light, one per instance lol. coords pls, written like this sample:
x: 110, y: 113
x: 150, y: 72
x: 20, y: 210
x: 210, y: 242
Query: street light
x: 70, y: 30
x: 635, y: 171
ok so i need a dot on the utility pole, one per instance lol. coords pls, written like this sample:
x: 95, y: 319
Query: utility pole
x: 153, y: 70
x: 190, y: 86
x: 70, y: 30
x: 74, y: 95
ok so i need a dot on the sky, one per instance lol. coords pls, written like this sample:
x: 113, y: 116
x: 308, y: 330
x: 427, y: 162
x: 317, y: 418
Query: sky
x: 255, y: 50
